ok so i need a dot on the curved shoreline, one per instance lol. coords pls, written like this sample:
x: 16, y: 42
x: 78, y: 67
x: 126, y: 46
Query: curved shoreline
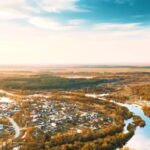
x: 142, y: 135
x: 141, y: 138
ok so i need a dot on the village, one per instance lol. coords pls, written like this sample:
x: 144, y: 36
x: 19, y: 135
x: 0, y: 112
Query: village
x: 54, y: 116
x: 49, y: 116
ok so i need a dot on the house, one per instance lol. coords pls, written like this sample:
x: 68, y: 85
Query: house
x: 53, y: 124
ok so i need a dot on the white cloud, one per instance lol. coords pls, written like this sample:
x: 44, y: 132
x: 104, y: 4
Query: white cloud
x: 40, y: 5
x: 115, y: 27
x: 13, y: 9
x: 10, y: 3
x: 22, y: 9
x: 32, y: 45
x: 18, y: 9
x: 50, y: 24
x: 57, y: 5
x: 76, y: 22
x: 130, y: 2
x: 9, y: 14
x: 124, y: 1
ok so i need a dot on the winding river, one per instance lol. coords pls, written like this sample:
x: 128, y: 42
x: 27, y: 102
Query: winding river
x: 141, y: 139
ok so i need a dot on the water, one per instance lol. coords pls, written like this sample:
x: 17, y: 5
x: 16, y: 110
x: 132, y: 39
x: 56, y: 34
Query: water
x: 127, y: 122
x: 141, y: 139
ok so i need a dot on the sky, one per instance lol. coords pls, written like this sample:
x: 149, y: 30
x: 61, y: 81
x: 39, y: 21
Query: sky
x: 74, y: 32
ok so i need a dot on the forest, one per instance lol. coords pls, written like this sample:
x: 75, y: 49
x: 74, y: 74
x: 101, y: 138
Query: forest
x: 46, y: 82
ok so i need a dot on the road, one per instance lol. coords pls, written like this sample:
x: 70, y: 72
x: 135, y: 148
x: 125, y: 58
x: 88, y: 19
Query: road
x: 15, y: 126
x: 7, y: 93
x: 13, y: 123
x: 16, y: 129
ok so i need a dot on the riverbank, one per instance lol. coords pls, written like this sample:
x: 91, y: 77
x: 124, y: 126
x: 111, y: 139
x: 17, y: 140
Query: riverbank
x: 141, y: 138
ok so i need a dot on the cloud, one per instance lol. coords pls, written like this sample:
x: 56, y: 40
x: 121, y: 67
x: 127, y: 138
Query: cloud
x: 10, y: 3
x: 39, y: 5
x: 139, y: 16
x: 76, y: 22
x: 131, y: 2
x: 116, y: 26
x: 124, y: 1
x: 50, y: 24
x: 12, y: 9
x: 31, y: 11
x: 11, y: 14
x: 31, y: 46
x: 57, y: 5
x: 55, y: 25
x: 18, y: 9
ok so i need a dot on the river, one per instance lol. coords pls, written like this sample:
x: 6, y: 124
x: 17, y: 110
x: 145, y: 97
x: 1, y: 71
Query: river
x: 141, y: 139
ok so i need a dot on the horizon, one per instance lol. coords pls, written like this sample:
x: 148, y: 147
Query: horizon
x: 75, y: 65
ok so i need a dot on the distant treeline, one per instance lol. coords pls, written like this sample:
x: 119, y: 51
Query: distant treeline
x: 110, y: 66
x: 45, y: 82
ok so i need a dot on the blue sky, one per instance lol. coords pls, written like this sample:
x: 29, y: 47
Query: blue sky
x: 74, y: 31
x: 121, y: 11
x: 95, y: 11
